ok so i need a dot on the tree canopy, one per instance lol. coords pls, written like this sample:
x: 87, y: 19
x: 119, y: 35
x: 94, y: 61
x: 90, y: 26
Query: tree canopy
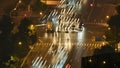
x: 15, y: 45
x: 38, y: 6
x: 6, y: 26
x: 104, y: 50
x: 114, y: 24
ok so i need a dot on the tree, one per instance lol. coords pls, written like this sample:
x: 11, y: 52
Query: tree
x: 114, y: 24
x: 6, y: 42
x: 104, y: 50
x: 24, y: 38
x: 23, y: 27
x: 6, y: 25
x: 24, y: 4
x: 38, y: 6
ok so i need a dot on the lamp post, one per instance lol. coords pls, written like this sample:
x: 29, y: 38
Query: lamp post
x: 41, y: 14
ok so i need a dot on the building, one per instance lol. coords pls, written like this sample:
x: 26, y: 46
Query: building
x: 51, y: 2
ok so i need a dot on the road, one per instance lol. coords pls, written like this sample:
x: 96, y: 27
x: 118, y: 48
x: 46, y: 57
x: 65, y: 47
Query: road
x: 100, y: 9
x: 55, y: 50
x: 5, y: 5
x: 87, y: 47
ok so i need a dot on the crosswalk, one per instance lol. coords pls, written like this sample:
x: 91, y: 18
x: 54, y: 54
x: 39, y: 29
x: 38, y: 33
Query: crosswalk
x: 59, y: 55
x: 87, y: 45
x: 102, y: 24
x: 57, y: 59
x: 38, y: 63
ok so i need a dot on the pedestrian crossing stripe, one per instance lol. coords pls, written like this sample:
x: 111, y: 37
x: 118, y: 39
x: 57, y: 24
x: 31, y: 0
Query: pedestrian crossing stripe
x: 95, y: 44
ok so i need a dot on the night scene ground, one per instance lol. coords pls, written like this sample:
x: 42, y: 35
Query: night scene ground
x: 60, y: 34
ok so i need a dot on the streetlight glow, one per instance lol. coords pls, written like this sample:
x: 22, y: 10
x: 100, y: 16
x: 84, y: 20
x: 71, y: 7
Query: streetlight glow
x: 104, y: 62
x: 90, y: 60
x: 31, y: 27
x: 41, y: 13
x: 107, y: 17
x: 20, y: 43
x: 20, y: 1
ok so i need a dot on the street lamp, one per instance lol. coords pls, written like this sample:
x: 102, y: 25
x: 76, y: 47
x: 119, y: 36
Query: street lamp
x: 41, y: 13
x: 20, y: 1
x: 14, y: 9
x: 107, y: 17
x: 104, y: 62
x: 31, y: 27
x: 90, y: 60
x: 19, y: 43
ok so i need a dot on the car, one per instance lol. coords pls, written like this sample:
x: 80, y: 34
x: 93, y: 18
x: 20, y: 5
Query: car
x: 80, y: 28
x: 81, y: 25
x: 68, y: 66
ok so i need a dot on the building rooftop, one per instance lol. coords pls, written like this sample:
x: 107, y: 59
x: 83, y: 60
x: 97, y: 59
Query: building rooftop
x: 51, y: 2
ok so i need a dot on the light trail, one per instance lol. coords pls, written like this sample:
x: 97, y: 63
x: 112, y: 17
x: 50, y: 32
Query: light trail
x: 63, y: 19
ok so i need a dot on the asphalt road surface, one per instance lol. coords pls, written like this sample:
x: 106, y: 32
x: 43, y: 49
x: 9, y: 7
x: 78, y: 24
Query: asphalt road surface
x: 56, y: 50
